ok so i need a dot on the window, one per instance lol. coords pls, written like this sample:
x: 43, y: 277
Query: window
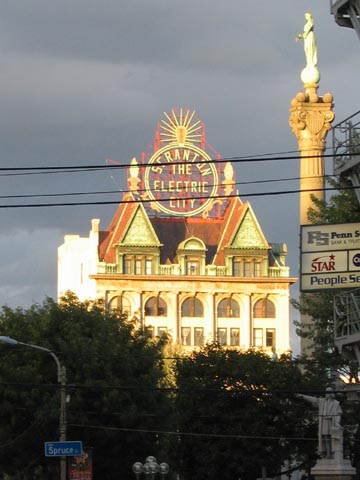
x: 149, y: 332
x: 137, y: 266
x: 156, y: 307
x: 192, y: 307
x: 258, y: 337
x: 121, y: 304
x: 264, y: 308
x: 192, y: 268
x: 270, y: 337
x: 235, y: 337
x: 247, y: 269
x: 186, y: 336
x: 127, y: 266
x: 222, y: 334
x: 198, y: 336
x: 257, y: 269
x: 161, y: 331
x: 228, y: 307
x: 236, y: 267
x: 148, y: 267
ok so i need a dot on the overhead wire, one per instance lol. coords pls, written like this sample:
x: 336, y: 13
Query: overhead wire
x: 237, y: 159
x: 191, y: 434
x: 168, y: 199
x: 140, y: 191
x: 91, y: 168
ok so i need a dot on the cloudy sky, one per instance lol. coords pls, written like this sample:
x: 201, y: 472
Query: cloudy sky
x: 86, y: 80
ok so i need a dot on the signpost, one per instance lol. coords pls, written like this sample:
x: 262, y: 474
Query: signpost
x: 330, y: 256
x: 63, y: 449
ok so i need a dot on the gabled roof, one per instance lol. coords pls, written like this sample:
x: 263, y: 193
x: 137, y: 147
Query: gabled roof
x: 241, y: 230
x: 131, y: 226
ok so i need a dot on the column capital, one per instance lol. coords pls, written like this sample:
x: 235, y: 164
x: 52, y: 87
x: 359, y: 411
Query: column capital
x: 310, y: 119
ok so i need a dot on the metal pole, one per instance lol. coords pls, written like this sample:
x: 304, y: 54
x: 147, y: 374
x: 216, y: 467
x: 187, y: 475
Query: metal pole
x: 61, y: 377
x: 62, y: 425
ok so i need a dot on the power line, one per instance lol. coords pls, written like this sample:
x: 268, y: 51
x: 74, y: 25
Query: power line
x: 139, y: 191
x: 238, y: 159
x: 191, y: 434
x: 143, y: 201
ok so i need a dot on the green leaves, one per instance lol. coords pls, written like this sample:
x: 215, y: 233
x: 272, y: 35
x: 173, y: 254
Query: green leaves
x: 112, y: 377
x: 237, y: 409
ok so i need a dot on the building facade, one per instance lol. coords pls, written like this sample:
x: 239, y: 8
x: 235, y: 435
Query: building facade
x: 183, y: 255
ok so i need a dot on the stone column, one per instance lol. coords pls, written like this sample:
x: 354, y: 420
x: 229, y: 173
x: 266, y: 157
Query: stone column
x: 310, y: 120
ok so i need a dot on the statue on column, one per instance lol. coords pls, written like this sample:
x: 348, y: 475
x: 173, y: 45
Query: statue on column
x: 309, y: 41
x: 310, y: 73
x: 330, y: 429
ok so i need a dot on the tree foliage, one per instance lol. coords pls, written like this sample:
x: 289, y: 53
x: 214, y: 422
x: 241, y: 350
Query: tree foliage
x: 214, y: 412
x: 113, y: 375
x: 238, y: 413
x: 342, y: 207
x: 326, y: 364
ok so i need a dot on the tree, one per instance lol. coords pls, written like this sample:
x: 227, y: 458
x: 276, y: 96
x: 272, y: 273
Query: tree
x: 238, y: 413
x: 342, y: 207
x: 114, y: 377
x: 327, y: 363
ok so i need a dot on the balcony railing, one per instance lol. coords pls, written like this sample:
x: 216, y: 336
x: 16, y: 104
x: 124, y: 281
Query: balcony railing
x: 174, y: 269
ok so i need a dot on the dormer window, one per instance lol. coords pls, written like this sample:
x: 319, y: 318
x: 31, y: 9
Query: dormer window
x: 191, y: 256
x: 247, y: 266
x: 137, y: 265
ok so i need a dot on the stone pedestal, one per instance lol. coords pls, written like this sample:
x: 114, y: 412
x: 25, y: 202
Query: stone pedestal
x: 333, y: 469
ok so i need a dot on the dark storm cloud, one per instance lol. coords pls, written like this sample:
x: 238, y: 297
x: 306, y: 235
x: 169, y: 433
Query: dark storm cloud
x: 83, y: 80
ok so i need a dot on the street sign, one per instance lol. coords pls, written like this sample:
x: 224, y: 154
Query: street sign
x: 63, y: 449
x: 330, y: 256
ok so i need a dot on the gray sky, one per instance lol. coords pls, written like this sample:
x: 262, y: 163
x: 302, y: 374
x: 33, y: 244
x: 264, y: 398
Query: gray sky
x: 86, y: 80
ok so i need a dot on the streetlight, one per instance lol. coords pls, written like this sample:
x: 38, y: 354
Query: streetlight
x: 150, y: 468
x: 61, y: 376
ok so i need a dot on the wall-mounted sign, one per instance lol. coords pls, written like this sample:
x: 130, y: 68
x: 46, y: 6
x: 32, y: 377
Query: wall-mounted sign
x: 180, y: 178
x: 330, y: 256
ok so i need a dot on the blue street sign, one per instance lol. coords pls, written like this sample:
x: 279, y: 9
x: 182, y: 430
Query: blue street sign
x: 63, y: 449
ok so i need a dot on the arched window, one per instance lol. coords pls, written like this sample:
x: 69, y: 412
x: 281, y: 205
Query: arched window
x: 192, y: 307
x: 155, y: 307
x: 228, y: 307
x: 264, y: 308
x: 120, y: 304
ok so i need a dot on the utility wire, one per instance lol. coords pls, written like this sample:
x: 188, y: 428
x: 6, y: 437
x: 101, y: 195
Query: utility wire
x: 140, y: 191
x: 192, y: 434
x: 14, y: 440
x: 237, y: 159
x: 143, y: 201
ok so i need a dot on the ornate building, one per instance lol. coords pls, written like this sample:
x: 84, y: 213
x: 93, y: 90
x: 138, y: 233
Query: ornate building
x: 183, y: 254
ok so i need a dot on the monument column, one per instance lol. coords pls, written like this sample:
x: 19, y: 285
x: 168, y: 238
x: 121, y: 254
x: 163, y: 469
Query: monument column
x: 310, y: 120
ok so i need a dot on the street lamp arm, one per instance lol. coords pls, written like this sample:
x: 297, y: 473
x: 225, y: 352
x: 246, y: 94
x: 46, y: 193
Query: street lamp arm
x: 61, y: 375
x: 12, y: 341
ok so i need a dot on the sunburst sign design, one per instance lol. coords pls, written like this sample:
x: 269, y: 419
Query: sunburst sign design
x: 180, y: 128
x: 180, y: 178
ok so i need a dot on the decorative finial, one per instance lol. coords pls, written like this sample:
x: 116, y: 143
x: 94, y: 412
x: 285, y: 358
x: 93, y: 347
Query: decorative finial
x: 310, y: 75
x: 134, y: 179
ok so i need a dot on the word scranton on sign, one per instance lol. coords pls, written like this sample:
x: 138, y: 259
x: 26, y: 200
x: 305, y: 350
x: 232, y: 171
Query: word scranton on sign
x: 63, y: 449
x: 179, y: 177
x: 330, y: 256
